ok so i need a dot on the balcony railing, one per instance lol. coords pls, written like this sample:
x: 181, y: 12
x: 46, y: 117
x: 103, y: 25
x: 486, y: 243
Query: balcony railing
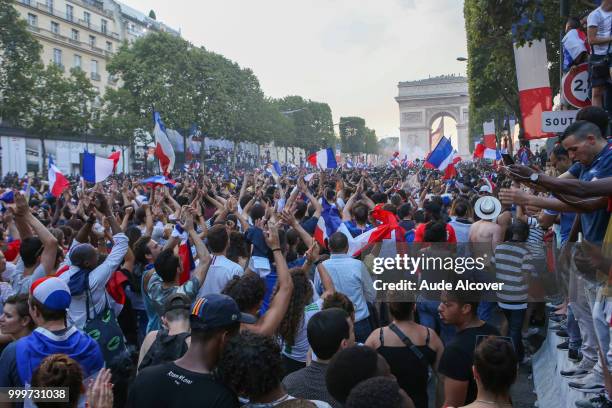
x: 67, y: 40
x: 95, y: 76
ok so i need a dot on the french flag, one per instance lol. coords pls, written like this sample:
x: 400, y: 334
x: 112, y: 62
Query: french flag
x: 163, y: 148
x: 441, y: 156
x: 535, y: 94
x: 329, y: 222
x: 451, y: 169
x: 159, y: 181
x: 96, y: 169
x: 323, y: 159
x: 8, y: 197
x: 388, y: 233
x: 488, y: 148
x: 115, y: 156
x: 574, y: 43
x: 57, y: 181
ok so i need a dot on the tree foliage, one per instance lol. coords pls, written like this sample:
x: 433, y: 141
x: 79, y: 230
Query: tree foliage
x: 59, y: 105
x: 491, y: 68
x: 19, y: 54
x: 313, y: 123
x: 353, y: 134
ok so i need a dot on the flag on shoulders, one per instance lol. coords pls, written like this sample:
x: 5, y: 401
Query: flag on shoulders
x: 329, y: 222
x: 96, y: 169
x: 323, y: 159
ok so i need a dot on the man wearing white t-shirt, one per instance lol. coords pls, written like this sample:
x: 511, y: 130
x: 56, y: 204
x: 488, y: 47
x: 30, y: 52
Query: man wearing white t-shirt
x: 599, y: 33
x: 221, y: 270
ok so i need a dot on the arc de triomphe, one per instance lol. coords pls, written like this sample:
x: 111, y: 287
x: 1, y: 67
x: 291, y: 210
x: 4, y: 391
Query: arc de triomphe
x: 422, y: 102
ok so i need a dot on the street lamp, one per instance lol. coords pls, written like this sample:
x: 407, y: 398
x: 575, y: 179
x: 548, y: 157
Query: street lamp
x: 462, y: 59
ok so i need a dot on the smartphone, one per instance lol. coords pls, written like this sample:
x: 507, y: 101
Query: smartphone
x: 508, y: 160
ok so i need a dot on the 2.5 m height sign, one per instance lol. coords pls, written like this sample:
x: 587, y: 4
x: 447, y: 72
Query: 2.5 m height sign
x: 576, y: 88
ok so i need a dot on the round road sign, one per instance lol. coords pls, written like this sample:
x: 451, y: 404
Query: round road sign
x: 576, y: 87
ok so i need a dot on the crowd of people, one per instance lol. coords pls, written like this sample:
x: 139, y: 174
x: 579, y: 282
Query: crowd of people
x: 243, y: 289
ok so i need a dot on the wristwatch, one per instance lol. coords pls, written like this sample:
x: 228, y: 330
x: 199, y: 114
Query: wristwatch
x: 534, y: 177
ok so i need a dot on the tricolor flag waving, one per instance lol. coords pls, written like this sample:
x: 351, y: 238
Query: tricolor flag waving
x: 163, y: 148
x: 57, y: 182
x: 388, y: 233
x: 323, y: 159
x: 441, y: 156
x: 487, y: 149
x: 159, y: 181
x: 96, y: 169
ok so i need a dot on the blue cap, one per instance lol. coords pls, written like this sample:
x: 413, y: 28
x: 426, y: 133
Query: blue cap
x: 215, y: 310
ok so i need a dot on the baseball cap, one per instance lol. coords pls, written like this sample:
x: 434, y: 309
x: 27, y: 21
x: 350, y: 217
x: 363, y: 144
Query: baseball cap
x: 215, y: 310
x: 177, y: 301
x: 52, y: 292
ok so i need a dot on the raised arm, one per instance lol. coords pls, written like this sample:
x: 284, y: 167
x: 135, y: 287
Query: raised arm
x: 269, y: 322
x: 200, y: 271
x: 49, y: 253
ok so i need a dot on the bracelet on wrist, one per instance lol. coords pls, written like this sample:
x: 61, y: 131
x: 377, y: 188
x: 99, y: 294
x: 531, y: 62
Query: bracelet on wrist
x: 275, y: 249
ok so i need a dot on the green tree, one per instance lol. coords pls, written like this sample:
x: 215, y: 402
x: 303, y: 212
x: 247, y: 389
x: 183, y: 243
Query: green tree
x: 59, y: 105
x: 312, y: 122
x: 119, y: 121
x: 19, y: 53
x: 353, y: 134
x: 371, y: 141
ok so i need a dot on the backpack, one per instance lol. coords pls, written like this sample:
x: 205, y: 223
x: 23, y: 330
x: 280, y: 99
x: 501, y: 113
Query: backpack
x: 165, y: 348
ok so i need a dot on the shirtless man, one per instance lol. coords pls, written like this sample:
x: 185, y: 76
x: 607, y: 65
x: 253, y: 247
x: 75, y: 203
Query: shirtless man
x: 486, y: 230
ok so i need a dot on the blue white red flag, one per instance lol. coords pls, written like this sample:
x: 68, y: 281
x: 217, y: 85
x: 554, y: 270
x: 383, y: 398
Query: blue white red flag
x: 96, y: 169
x: 323, y: 159
x: 441, y: 156
x: 163, y: 148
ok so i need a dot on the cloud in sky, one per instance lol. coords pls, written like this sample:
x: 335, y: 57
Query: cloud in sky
x: 350, y: 54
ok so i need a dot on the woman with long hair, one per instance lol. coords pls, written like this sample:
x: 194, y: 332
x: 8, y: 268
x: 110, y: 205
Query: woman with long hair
x: 292, y: 329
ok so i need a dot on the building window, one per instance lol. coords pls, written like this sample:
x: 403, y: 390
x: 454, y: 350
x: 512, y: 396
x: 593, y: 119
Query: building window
x: 32, y: 19
x: 69, y: 12
x: 54, y: 27
x: 50, y: 5
x: 57, y: 56
x: 92, y: 40
x: 94, y: 70
x: 77, y: 61
x: 103, y: 26
x: 87, y: 18
x: 109, y: 46
x: 75, y: 34
x: 26, y: 2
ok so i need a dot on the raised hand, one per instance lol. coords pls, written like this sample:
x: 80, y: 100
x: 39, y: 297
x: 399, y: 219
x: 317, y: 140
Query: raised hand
x: 271, y: 236
x: 21, y: 205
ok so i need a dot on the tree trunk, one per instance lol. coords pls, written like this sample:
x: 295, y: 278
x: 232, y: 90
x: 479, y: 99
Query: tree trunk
x: 286, y: 148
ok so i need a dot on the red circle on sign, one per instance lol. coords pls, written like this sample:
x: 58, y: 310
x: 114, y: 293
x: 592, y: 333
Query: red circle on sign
x: 567, y: 87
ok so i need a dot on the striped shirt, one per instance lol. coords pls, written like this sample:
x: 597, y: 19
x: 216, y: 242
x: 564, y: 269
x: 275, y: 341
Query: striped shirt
x: 535, y: 240
x: 513, y: 266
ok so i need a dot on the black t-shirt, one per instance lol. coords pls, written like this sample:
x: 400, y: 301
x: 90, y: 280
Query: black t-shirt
x: 458, y: 357
x: 168, y: 385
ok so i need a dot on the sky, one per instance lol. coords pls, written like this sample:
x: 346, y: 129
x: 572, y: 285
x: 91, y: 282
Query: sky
x: 350, y: 54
